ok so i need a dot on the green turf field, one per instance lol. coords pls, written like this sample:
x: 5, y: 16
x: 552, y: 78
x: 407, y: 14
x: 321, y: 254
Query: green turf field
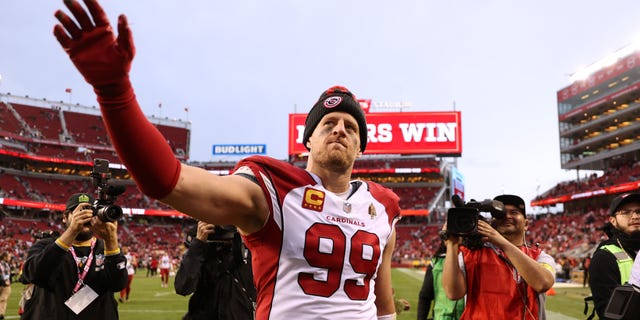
x: 150, y: 301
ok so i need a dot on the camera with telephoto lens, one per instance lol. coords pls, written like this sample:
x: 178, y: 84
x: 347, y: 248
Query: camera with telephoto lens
x: 462, y: 219
x: 104, y: 207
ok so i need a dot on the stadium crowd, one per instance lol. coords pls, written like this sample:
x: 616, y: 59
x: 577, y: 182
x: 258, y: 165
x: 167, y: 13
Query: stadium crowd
x: 417, y: 238
x: 569, y: 237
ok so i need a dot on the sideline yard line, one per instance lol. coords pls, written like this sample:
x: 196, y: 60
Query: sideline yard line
x: 414, y: 273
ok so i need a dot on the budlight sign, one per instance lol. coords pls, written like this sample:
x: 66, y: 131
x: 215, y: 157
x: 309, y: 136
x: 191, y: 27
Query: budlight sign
x: 238, y: 149
x: 399, y: 132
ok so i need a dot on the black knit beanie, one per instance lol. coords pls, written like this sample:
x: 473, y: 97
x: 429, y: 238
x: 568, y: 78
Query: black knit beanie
x: 334, y: 99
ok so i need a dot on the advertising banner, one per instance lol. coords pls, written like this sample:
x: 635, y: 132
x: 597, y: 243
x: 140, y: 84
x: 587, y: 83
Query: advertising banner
x: 437, y: 133
x: 457, y: 183
x: 238, y: 149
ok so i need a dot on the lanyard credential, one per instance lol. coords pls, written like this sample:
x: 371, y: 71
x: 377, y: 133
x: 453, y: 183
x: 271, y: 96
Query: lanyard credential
x: 83, y: 274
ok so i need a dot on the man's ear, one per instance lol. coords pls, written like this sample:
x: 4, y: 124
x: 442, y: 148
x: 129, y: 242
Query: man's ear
x: 613, y: 221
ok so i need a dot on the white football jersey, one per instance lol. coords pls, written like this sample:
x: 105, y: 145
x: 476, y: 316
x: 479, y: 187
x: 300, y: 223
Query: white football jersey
x: 165, y: 262
x: 130, y: 268
x: 317, y: 256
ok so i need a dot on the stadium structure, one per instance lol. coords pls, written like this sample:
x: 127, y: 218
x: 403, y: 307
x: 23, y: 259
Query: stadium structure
x: 47, y: 150
x: 599, y: 131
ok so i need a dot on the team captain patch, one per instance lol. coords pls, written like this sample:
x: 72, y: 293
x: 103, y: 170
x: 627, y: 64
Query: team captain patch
x: 313, y: 199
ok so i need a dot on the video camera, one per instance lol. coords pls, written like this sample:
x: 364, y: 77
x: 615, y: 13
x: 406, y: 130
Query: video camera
x: 221, y: 234
x: 462, y: 219
x: 104, y: 206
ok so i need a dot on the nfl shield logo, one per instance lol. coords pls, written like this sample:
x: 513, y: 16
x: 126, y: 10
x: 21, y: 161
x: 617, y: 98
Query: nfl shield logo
x: 346, y: 207
x: 99, y: 259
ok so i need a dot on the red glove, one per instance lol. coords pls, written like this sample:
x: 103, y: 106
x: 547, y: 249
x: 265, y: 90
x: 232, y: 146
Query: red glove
x: 101, y: 58
x: 105, y: 61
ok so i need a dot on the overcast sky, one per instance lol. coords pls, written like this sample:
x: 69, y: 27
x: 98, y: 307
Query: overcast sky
x: 242, y: 66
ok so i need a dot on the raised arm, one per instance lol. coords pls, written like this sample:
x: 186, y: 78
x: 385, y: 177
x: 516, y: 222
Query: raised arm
x: 104, y: 60
x: 453, y: 282
x: 537, y: 275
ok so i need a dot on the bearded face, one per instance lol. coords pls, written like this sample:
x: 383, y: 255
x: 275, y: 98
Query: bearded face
x: 335, y: 142
x: 513, y: 223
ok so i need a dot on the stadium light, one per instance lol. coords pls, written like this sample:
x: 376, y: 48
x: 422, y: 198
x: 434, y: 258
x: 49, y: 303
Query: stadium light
x: 584, y: 72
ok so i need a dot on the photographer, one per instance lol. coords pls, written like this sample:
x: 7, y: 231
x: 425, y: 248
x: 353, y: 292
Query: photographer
x: 432, y: 293
x: 612, y: 261
x: 217, y: 270
x: 75, y: 275
x: 504, y: 278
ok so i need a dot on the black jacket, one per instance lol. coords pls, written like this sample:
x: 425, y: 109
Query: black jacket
x: 604, y: 274
x: 54, y: 273
x: 220, y: 280
x: 427, y: 294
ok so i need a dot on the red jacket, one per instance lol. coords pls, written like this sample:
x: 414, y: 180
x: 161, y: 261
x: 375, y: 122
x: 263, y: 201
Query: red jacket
x: 495, y: 290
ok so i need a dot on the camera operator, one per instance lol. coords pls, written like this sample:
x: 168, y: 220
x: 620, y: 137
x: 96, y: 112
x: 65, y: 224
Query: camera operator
x: 504, y: 278
x: 76, y: 275
x: 217, y: 270
x: 612, y: 261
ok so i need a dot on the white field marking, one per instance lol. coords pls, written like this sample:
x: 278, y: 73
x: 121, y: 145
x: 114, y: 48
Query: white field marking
x: 161, y: 294
x: 416, y: 274
x: 147, y: 311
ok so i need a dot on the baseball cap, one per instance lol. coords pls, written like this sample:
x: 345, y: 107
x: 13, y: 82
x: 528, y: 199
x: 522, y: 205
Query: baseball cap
x: 510, y: 199
x: 621, y: 200
x: 334, y: 99
x: 77, y: 199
